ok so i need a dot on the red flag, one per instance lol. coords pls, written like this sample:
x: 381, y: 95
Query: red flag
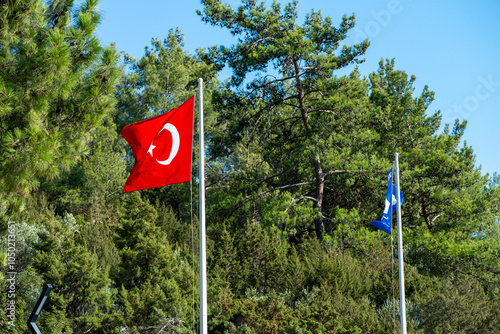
x: 162, y: 147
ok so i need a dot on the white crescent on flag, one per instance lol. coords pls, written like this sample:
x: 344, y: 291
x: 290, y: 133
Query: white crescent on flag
x: 175, y: 144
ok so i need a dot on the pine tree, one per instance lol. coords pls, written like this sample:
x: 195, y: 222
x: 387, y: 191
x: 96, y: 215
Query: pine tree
x: 82, y: 297
x: 155, y: 279
x: 451, y: 209
x: 56, y: 83
x: 295, y: 110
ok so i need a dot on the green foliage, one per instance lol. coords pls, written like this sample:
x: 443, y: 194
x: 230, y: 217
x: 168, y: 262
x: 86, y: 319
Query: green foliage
x: 26, y: 238
x: 322, y: 288
x: 261, y: 283
x: 155, y: 279
x: 18, y: 273
x: 56, y: 83
x: 391, y: 313
x: 93, y: 187
x: 271, y: 36
x: 161, y: 80
x: 470, y: 308
x: 80, y: 284
x: 296, y: 164
x: 28, y: 286
x: 285, y: 128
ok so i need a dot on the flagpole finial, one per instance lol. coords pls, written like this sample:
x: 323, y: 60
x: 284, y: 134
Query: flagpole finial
x: 200, y: 83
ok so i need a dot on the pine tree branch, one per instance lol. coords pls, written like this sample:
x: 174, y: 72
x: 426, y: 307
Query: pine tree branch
x: 283, y: 187
x: 252, y: 45
x: 343, y: 171
x: 321, y: 111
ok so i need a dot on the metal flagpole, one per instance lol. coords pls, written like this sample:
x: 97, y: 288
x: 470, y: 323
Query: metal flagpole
x: 203, y: 257
x: 400, y: 253
x: 393, y: 294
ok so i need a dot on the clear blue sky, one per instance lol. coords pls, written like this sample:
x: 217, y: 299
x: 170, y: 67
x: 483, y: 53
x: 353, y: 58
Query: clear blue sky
x: 451, y: 46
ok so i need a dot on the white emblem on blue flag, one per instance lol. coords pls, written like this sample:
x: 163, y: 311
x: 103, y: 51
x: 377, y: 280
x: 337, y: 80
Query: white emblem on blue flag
x: 385, y: 224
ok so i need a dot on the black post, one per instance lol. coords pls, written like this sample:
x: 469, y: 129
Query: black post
x: 38, y: 308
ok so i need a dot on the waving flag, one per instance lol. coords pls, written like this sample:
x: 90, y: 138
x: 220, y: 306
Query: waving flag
x: 162, y: 148
x: 385, y: 224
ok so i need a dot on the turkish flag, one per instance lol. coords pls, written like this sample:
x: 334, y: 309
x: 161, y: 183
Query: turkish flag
x: 162, y: 147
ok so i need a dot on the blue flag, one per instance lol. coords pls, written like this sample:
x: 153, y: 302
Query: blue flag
x: 385, y: 224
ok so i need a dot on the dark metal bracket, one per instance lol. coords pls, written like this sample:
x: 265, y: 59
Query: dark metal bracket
x: 38, y: 308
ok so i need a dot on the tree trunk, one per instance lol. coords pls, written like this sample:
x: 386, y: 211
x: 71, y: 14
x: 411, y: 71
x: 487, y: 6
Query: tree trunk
x: 320, y: 181
x: 319, y: 176
x: 425, y: 213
